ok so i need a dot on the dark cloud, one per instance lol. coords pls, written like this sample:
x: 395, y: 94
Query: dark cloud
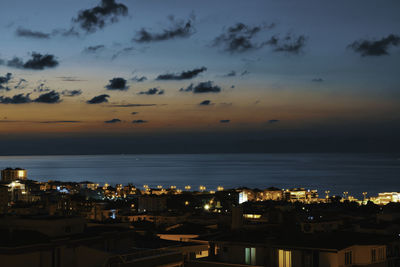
x: 21, y: 84
x: 184, y: 75
x: 16, y: 99
x: 66, y: 32
x: 96, y: 18
x: 205, y: 103
x: 117, y: 84
x: 4, y: 81
x: 22, y: 32
x: 245, y: 72
x: 113, y: 121
x: 139, y: 121
x: 230, y: 74
x: 139, y: 79
x: 203, y: 87
x: 98, y: 99
x: 41, y: 88
x: 93, y: 49
x: 56, y: 122
x: 71, y: 92
x: 51, y: 97
x: 152, y: 91
x: 375, y: 47
x: 290, y: 43
x: 179, y: 29
x: 273, y: 121
x: 240, y: 38
x: 37, y: 62
x: 317, y: 80
x: 225, y: 121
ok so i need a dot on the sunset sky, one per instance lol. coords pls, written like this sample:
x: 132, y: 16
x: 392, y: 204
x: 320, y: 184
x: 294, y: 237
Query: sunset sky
x: 127, y: 76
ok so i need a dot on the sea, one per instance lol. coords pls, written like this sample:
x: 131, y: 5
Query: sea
x: 354, y: 173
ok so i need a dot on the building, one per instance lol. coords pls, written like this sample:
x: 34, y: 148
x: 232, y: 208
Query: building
x: 386, y: 198
x: 4, y: 199
x: 300, y: 250
x: 10, y: 174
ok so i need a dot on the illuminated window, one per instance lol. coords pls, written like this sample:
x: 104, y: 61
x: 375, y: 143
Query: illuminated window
x: 348, y: 258
x: 21, y: 174
x: 285, y: 258
x: 381, y: 254
x: 250, y: 256
x: 373, y: 255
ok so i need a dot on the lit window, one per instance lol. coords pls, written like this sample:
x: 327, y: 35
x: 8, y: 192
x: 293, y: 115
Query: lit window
x: 373, y: 255
x: 285, y: 258
x: 381, y: 254
x: 250, y: 256
x: 348, y: 258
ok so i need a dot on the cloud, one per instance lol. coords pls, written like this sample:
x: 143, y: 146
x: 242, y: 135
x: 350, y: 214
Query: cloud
x: 230, y: 74
x: 70, y: 79
x: 132, y: 105
x: 59, y: 122
x: 126, y: 50
x: 113, y: 121
x: 203, y: 87
x: 179, y: 29
x: 139, y: 121
x: 4, y: 81
x: 98, y: 99
x: 41, y: 88
x: 51, y: 97
x: 205, y: 103
x: 22, y: 32
x: 290, y: 43
x: 375, y: 47
x: 317, y: 80
x: 273, y: 121
x: 240, y: 38
x: 152, y: 91
x: 16, y: 99
x: 93, y: 49
x: 21, y: 84
x: 96, y: 18
x: 184, y: 75
x: 71, y: 93
x: 117, y: 84
x: 139, y: 79
x: 37, y: 62
x: 225, y: 121
x: 245, y: 72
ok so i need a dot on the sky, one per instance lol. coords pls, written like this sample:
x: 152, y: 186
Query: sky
x: 179, y: 76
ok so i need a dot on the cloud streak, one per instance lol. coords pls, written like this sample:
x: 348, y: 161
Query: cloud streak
x: 152, y: 91
x: 98, y: 99
x: 184, y: 75
x: 201, y: 88
x: 178, y: 29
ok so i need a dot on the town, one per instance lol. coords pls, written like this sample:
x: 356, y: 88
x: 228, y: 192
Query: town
x: 59, y: 224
